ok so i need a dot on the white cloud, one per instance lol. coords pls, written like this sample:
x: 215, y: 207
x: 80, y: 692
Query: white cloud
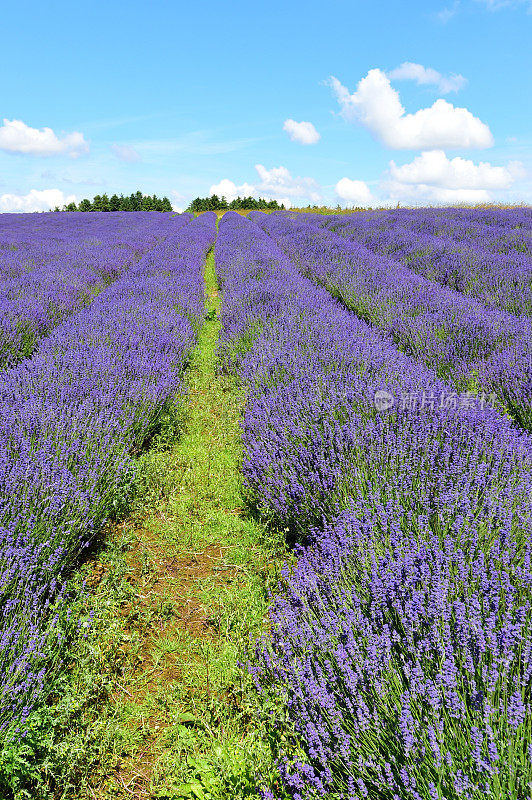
x: 433, y: 168
x: 226, y: 188
x: 496, y: 5
x: 425, y: 194
x: 230, y: 190
x: 377, y: 106
x: 125, y: 152
x: 35, y: 200
x: 408, y: 71
x: 278, y: 181
x: 356, y: 193
x: 432, y: 177
x: 448, y: 12
x: 274, y: 184
x: 177, y: 199
x: 302, y: 132
x: 17, y: 137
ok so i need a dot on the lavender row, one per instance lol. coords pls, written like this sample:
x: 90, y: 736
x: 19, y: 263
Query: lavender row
x: 31, y: 240
x: 403, y: 668
x: 72, y: 418
x: 499, y: 238
x: 478, y: 349
x: 399, y: 657
x: 498, y: 280
x: 50, y: 269
x: 511, y: 216
x: 511, y: 235
x: 518, y: 218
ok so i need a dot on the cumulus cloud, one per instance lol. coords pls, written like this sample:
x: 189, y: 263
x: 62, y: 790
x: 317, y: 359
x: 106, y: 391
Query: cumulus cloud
x: 433, y: 168
x: 35, y: 200
x: 423, y: 194
x: 226, y: 188
x: 356, y: 193
x: 125, y: 152
x: 17, y: 137
x: 230, y: 190
x: 409, y: 71
x: 432, y: 177
x: 276, y: 183
x: 302, y: 132
x: 376, y: 105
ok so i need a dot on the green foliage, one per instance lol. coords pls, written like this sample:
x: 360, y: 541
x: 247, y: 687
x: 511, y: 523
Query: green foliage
x: 65, y: 737
x: 215, y: 203
x: 135, y: 202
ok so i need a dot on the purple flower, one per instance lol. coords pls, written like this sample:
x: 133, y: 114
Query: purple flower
x: 74, y: 415
x: 400, y: 636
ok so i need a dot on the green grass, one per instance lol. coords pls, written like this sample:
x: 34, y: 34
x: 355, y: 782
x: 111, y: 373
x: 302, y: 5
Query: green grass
x: 209, y: 564
x: 154, y: 703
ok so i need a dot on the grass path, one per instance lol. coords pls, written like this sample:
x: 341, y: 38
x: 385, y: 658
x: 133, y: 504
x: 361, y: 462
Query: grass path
x: 198, y: 567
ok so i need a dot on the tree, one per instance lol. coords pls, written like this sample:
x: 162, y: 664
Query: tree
x: 215, y: 203
x: 136, y: 201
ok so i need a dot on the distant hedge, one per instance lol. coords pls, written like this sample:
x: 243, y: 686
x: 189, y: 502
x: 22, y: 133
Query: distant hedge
x: 215, y: 203
x: 135, y: 202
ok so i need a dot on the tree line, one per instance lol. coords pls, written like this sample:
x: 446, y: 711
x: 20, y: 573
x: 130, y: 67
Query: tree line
x: 136, y: 201
x: 215, y: 203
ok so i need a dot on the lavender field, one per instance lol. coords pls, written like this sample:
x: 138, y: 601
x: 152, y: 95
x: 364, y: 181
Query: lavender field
x: 400, y: 649
x: 121, y: 299
x: 384, y: 367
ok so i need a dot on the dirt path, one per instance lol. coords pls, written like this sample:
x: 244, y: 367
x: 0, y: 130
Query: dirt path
x: 198, y: 567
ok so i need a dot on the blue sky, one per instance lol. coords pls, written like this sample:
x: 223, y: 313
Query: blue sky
x: 431, y: 101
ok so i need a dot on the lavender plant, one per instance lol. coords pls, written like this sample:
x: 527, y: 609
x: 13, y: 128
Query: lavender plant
x: 399, y: 657
x: 51, y: 267
x: 456, y: 336
x: 72, y: 418
x: 475, y: 260
x: 404, y: 665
